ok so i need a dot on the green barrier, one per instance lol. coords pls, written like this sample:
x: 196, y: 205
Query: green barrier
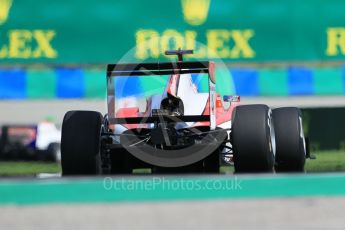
x: 95, y: 83
x: 328, y: 81
x: 41, y: 83
x: 273, y: 82
x: 101, y: 32
x: 90, y: 82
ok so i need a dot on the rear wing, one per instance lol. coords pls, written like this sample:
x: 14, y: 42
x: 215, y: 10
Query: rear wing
x: 164, y: 68
x: 157, y: 69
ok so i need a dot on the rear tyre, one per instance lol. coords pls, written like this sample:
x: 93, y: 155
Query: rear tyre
x: 291, y: 150
x: 80, y: 143
x: 252, y: 138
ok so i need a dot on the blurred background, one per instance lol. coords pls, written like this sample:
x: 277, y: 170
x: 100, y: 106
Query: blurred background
x: 53, y: 57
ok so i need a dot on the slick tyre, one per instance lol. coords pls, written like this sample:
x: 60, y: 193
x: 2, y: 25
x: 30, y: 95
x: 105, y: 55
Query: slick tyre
x: 80, y: 143
x: 252, y: 138
x: 290, y: 141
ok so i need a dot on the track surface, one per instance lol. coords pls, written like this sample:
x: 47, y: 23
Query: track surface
x: 175, y: 202
x: 283, y: 214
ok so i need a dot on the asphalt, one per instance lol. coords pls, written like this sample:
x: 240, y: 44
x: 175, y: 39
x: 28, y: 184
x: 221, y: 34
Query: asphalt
x: 280, y: 213
x: 266, y: 201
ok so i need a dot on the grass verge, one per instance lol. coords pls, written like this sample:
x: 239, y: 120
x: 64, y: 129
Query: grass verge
x: 27, y: 168
x: 326, y: 161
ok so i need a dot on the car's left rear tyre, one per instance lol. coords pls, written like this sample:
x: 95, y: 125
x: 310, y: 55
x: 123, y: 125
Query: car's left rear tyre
x: 80, y: 143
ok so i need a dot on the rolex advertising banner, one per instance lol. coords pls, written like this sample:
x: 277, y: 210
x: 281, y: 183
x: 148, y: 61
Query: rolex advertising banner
x: 97, y: 32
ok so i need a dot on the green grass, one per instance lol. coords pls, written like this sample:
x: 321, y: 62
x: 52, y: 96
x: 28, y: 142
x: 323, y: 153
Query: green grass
x: 326, y: 161
x: 28, y: 168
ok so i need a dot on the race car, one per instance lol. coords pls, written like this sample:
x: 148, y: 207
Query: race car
x: 178, y: 123
x: 30, y: 142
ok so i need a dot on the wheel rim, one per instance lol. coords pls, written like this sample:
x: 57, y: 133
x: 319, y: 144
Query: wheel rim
x: 272, y: 133
x: 301, y: 134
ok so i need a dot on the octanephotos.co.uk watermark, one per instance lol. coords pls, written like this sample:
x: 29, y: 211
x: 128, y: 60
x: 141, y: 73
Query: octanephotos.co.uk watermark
x: 168, y: 184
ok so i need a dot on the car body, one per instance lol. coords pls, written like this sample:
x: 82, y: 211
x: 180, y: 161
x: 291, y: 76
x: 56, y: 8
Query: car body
x: 30, y: 142
x: 178, y: 126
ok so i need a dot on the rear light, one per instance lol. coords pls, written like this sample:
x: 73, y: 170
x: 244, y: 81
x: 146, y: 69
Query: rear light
x: 219, y: 103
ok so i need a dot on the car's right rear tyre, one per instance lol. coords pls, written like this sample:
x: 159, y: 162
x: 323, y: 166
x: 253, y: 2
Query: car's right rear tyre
x: 291, y: 145
x: 252, y: 138
x: 80, y: 143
